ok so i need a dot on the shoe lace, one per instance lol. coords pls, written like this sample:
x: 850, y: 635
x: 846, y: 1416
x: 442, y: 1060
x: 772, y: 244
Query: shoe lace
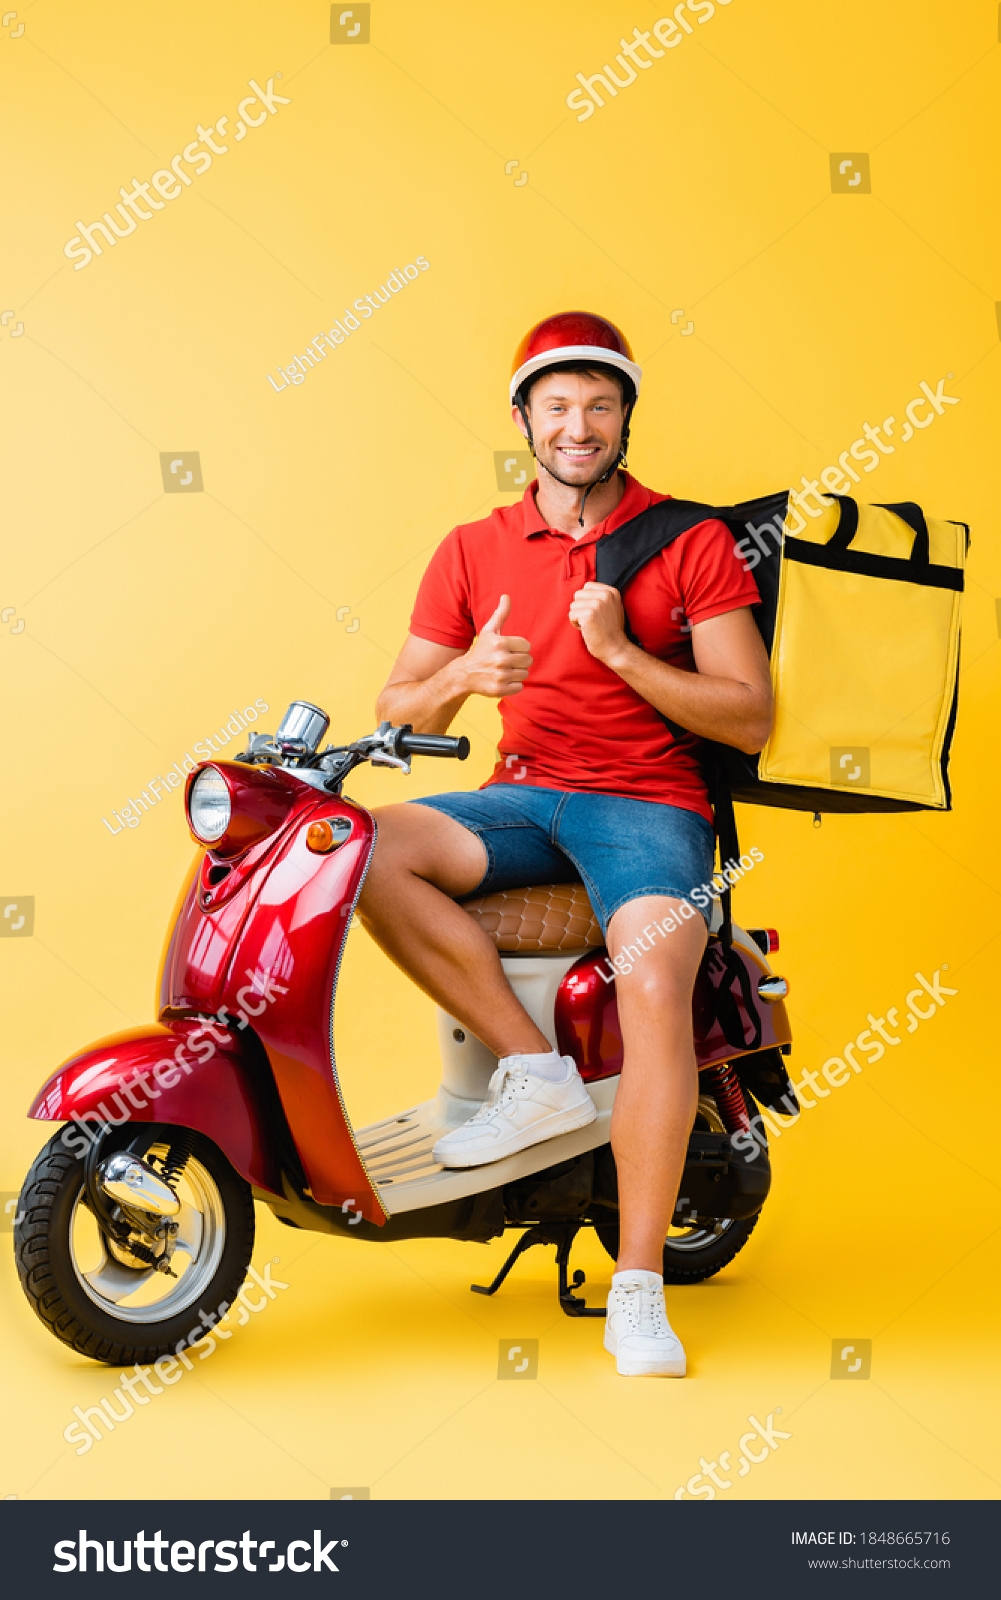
x: 645, y: 1309
x: 500, y: 1091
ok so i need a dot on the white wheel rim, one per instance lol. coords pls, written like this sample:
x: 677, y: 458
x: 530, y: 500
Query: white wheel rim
x: 133, y: 1295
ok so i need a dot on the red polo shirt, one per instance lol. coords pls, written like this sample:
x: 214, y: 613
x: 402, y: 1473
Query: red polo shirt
x: 576, y: 724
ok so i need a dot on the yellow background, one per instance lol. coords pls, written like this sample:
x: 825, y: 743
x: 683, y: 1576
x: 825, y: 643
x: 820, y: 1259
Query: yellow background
x: 704, y: 186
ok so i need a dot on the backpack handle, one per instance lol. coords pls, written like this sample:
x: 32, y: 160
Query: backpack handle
x: 906, y: 510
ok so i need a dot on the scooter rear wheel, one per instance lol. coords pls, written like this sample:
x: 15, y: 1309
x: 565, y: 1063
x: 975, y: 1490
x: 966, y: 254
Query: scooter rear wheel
x: 101, y: 1303
x: 693, y: 1254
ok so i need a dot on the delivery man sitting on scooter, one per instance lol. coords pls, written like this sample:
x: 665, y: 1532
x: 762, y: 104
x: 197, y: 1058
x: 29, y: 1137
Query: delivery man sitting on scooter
x: 589, y: 783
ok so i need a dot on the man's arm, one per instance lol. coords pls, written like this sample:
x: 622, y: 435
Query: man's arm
x: 430, y: 683
x: 728, y: 697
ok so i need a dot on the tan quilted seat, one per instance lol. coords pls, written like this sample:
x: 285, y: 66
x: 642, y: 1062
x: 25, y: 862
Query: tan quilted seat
x: 550, y: 916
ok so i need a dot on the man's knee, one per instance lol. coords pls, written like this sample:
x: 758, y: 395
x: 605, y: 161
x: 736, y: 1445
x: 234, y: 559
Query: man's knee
x: 654, y: 982
x: 400, y: 839
x: 427, y: 844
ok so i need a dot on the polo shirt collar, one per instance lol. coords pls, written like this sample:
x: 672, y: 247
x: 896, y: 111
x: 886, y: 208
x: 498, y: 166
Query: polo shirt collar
x: 635, y: 499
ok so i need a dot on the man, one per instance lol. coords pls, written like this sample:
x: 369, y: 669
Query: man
x: 589, y: 781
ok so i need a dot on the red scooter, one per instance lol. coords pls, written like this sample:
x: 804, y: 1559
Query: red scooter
x: 136, y: 1222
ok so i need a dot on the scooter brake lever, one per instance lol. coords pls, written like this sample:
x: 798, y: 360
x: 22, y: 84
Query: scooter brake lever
x: 384, y: 759
x: 384, y: 748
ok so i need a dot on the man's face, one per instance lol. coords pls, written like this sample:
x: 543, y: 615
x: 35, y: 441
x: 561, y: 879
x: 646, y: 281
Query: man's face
x: 577, y: 422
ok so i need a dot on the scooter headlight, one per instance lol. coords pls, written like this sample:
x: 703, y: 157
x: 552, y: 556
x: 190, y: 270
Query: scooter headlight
x: 209, y: 805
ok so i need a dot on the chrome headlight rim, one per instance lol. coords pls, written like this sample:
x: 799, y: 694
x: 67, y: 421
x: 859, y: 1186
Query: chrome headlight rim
x: 210, y: 806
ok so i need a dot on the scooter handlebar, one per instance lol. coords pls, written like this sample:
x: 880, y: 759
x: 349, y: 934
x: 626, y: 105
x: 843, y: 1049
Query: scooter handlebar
x: 432, y: 744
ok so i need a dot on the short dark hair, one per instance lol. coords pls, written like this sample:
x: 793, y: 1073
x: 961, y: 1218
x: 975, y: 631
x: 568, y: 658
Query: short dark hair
x: 589, y: 369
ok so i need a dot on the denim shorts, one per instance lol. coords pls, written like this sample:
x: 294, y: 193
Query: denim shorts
x: 622, y: 849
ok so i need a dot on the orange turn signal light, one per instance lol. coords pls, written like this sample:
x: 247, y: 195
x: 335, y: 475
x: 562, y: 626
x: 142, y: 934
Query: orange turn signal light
x: 320, y: 837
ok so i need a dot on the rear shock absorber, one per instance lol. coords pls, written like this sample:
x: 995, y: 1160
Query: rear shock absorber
x: 726, y: 1091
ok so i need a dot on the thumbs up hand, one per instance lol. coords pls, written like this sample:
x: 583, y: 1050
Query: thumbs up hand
x: 499, y: 617
x: 498, y: 663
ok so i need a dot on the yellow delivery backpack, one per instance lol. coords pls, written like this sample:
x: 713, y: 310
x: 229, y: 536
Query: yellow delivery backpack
x: 860, y: 613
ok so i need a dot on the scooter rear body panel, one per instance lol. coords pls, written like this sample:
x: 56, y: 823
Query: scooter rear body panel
x: 587, y: 1014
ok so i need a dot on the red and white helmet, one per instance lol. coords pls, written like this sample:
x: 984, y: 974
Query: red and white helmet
x: 573, y: 336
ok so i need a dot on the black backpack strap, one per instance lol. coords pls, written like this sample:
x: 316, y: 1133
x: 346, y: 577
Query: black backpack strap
x: 727, y: 1014
x: 619, y: 556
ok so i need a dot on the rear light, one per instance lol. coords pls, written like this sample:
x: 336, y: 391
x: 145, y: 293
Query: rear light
x: 766, y: 939
x: 773, y: 941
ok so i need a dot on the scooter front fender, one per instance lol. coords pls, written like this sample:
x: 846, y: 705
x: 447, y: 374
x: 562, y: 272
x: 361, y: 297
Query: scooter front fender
x: 190, y: 1074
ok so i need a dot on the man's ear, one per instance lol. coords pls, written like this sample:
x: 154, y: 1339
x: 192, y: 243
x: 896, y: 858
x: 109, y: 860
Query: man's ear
x: 519, y: 420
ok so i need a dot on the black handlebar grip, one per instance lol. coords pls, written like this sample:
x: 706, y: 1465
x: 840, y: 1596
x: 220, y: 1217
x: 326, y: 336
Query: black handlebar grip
x: 433, y: 744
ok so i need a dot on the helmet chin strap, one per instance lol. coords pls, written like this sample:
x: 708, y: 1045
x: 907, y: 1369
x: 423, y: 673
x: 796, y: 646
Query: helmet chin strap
x: 620, y: 460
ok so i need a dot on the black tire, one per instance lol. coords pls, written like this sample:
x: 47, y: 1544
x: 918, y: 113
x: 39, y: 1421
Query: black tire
x: 697, y: 1253
x: 95, y: 1327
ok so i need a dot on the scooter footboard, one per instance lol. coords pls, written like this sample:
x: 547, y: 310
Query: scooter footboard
x: 192, y: 1074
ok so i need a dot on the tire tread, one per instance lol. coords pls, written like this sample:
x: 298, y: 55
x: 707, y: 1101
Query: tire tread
x: 50, y: 1172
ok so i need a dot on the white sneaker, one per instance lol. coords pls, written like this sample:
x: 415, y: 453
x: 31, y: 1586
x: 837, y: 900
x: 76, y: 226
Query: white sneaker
x: 637, y: 1332
x: 520, y: 1110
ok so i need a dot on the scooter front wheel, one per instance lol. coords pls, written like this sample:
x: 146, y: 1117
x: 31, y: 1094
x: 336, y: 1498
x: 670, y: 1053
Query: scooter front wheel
x: 98, y: 1297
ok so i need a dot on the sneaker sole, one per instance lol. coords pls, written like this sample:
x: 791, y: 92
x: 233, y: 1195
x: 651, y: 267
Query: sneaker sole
x: 643, y: 1369
x: 538, y: 1133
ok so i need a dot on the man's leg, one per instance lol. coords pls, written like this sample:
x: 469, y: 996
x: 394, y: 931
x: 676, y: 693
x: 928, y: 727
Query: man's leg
x: 422, y: 858
x: 658, y: 1092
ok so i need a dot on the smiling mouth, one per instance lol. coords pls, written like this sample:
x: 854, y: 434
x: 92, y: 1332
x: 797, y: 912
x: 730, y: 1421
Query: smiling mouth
x: 577, y: 452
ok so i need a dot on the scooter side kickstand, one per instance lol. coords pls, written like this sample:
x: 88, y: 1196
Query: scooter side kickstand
x: 531, y: 1236
x: 573, y: 1304
x: 562, y: 1237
